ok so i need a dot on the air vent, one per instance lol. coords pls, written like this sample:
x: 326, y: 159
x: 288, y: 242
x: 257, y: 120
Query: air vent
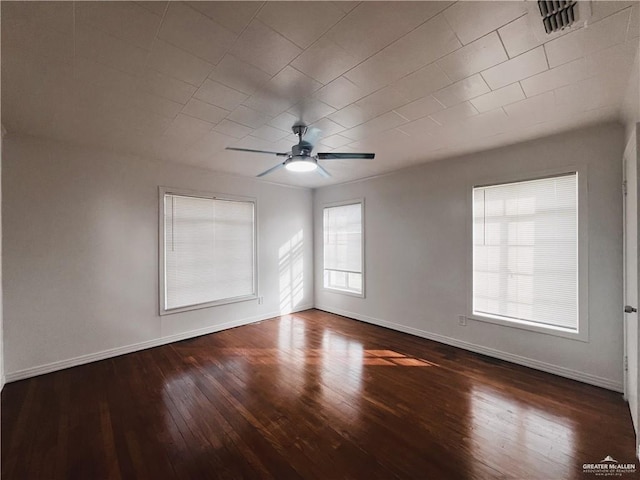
x: 557, y: 14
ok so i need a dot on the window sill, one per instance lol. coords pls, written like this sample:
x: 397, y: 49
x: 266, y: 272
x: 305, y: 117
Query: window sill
x: 343, y: 292
x: 532, y: 327
x: 199, y: 306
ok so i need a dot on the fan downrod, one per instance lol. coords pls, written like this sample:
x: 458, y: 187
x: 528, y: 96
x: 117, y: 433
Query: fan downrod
x: 299, y: 129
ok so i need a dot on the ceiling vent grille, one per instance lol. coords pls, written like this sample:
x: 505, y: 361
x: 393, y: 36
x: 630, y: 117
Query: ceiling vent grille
x: 557, y: 14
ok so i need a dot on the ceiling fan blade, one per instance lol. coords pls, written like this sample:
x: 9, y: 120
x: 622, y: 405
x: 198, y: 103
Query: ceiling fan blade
x: 312, y: 136
x: 279, y: 154
x: 271, y: 170
x: 321, y: 170
x: 341, y: 156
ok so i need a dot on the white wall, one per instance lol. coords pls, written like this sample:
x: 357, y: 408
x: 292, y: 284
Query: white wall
x: 81, y: 254
x: 418, y: 263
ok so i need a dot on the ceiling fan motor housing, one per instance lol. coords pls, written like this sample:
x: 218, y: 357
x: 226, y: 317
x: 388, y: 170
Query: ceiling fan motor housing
x: 302, y: 149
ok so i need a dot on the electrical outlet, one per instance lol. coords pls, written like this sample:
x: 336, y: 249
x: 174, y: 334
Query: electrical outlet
x: 462, y: 320
x: 260, y: 300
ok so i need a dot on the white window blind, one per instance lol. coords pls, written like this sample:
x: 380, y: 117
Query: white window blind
x: 208, y: 250
x: 343, y: 248
x: 525, y: 251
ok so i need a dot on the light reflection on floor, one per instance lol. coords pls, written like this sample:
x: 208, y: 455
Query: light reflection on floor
x: 326, y: 369
x: 502, y: 425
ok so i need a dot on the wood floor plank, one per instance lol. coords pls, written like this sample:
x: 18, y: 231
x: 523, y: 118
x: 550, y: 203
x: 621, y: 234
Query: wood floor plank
x: 305, y: 396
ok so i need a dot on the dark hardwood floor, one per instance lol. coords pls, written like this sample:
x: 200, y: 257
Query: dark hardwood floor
x: 309, y: 395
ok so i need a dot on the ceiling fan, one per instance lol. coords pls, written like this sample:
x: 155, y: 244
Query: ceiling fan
x: 300, y: 159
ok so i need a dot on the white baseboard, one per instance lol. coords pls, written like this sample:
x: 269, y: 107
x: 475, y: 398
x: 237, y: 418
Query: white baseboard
x: 115, y: 352
x: 491, y: 352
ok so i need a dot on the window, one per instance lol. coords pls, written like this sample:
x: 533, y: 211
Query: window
x: 343, y: 248
x: 525, y: 252
x: 208, y: 251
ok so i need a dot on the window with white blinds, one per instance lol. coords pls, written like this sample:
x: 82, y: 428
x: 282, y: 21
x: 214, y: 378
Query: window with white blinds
x: 343, y: 248
x: 525, y: 252
x: 209, y: 251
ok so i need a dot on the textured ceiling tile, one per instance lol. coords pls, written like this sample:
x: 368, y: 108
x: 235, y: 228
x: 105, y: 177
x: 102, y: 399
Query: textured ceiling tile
x: 349, y: 116
x: 220, y: 95
x: 284, y: 121
x: 607, y: 32
x: 420, y: 108
x: 156, y: 7
x: 335, y: 141
x: 195, y: 33
x: 486, y: 124
x: 463, y: 90
x: 268, y: 133
x: 106, y: 101
x: 422, y: 82
x: 291, y: 83
x: 345, y: 6
x: 498, y: 98
x: 125, y: 20
x: 474, y: 57
x: 556, y: 77
x: 518, y: 36
x: 56, y: 15
x: 284, y: 90
x: 340, y: 93
x: 373, y: 25
x: 38, y: 36
x: 109, y: 50
x: 89, y: 72
x: 601, y: 9
x: 179, y: 64
x: 239, y: 75
x: 188, y: 129
x: 204, y: 111
x: 379, y: 124
x: 256, y: 144
x: 204, y: 149
x: 301, y: 22
x: 145, y: 122
x: 518, y: 68
x: 381, y: 102
x: 264, y: 48
x: 596, y: 92
x: 156, y: 104
x: 634, y: 23
x: 455, y: 114
x: 422, y: 46
x: 325, y: 61
x: 531, y: 110
x: 166, y: 87
x: 565, y: 49
x: 472, y: 20
x: 166, y: 148
x: 616, y: 62
x: 248, y: 117
x: 419, y: 127
x: 234, y: 16
x: 232, y: 129
x: 311, y: 110
x: 327, y: 127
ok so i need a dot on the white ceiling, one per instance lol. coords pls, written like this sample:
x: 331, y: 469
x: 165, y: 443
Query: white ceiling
x: 410, y: 81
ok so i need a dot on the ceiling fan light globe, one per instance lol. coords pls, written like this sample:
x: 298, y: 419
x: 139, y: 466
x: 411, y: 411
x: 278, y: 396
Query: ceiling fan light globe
x: 301, y: 165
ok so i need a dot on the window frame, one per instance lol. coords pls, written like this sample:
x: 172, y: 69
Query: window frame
x: 582, y: 331
x: 162, y: 191
x: 355, y: 201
